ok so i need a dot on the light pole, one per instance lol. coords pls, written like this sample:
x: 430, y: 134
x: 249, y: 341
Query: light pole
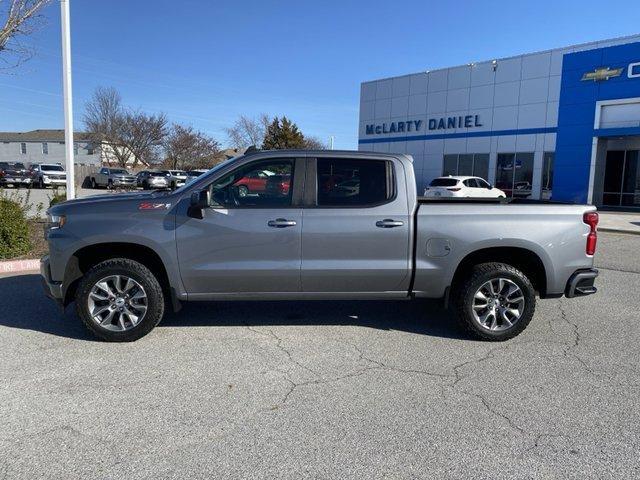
x: 68, y: 101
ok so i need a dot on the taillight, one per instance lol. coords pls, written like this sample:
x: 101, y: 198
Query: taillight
x: 456, y: 189
x: 591, y: 219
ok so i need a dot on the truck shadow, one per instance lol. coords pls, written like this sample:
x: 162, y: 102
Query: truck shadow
x: 420, y: 316
x: 26, y: 307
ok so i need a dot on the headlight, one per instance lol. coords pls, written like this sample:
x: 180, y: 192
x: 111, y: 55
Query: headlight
x: 45, y: 177
x: 57, y: 221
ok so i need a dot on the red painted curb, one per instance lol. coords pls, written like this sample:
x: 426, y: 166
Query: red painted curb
x: 13, y: 266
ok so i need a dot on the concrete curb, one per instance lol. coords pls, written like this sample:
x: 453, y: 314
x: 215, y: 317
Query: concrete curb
x: 13, y: 266
x: 618, y: 230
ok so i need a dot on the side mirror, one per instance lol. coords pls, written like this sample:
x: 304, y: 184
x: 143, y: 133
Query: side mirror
x: 490, y: 187
x: 201, y: 199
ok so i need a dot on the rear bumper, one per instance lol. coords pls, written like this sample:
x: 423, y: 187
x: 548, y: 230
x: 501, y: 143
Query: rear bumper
x: 581, y: 283
x: 52, y: 289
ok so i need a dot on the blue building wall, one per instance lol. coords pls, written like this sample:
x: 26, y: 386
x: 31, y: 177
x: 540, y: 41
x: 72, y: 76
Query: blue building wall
x: 576, y: 114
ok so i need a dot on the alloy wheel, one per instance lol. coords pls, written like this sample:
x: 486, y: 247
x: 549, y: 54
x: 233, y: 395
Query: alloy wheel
x: 498, y: 304
x: 117, y: 303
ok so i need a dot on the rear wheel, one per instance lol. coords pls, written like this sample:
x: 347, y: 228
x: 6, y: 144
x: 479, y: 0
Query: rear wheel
x: 120, y: 300
x: 495, y: 302
x: 243, y: 191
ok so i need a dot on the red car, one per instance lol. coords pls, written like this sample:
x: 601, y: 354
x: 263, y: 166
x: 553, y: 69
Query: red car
x: 262, y: 181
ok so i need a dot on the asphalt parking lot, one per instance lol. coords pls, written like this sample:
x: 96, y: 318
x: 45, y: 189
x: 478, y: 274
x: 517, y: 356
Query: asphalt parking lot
x: 326, y: 390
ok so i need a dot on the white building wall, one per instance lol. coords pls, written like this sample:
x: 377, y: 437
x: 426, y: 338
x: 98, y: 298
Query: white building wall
x: 11, y: 152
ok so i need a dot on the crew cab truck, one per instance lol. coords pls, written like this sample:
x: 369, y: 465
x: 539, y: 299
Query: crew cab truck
x: 376, y: 240
x: 113, y: 178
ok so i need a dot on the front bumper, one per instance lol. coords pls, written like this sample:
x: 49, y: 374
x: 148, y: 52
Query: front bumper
x: 52, y: 289
x: 15, y: 181
x: 54, y: 181
x: 581, y: 283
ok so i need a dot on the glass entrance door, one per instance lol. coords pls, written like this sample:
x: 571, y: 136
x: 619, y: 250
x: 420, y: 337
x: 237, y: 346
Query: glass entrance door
x: 622, y: 179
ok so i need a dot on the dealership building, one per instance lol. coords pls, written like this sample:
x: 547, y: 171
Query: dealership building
x: 561, y: 124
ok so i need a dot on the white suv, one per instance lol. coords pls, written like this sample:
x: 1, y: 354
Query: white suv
x: 47, y: 175
x: 472, y: 187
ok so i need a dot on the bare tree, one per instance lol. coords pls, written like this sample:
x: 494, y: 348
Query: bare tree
x: 23, y: 17
x: 314, y: 143
x: 248, y: 131
x: 187, y: 148
x: 128, y: 137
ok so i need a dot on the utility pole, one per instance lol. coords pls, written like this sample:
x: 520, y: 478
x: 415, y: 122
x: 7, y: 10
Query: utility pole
x: 68, y: 100
x: 331, y: 138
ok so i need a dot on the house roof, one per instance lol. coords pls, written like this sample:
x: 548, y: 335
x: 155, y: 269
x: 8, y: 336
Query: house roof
x: 40, y: 136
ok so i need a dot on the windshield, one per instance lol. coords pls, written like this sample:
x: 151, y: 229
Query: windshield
x: 120, y: 171
x: 19, y: 165
x: 210, y: 172
x: 51, y: 168
x: 157, y: 174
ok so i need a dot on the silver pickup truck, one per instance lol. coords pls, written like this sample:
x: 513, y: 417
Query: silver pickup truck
x: 313, y: 225
x: 113, y: 178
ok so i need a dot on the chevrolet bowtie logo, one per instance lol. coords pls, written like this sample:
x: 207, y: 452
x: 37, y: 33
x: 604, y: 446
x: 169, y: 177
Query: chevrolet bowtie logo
x: 604, y: 73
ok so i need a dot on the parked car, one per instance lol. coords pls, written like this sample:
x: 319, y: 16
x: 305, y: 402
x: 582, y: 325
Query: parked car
x: 149, y: 179
x: 193, y: 174
x: 47, y: 175
x: 253, y: 182
x: 15, y: 174
x: 488, y: 260
x: 113, y: 177
x: 176, y: 178
x: 470, y: 187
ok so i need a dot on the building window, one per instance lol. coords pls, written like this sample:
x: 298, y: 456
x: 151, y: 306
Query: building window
x: 89, y: 150
x: 547, y: 175
x: 23, y: 148
x: 468, y: 164
x: 514, y: 174
x: 45, y: 148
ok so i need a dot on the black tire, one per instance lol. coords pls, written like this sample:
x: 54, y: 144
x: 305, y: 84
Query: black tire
x: 41, y: 184
x: 173, y: 185
x: 145, y: 185
x: 463, y: 298
x: 243, y: 191
x: 139, y: 273
x: 110, y: 185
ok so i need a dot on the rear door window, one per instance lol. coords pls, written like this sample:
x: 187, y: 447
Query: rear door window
x: 443, y: 182
x: 343, y: 182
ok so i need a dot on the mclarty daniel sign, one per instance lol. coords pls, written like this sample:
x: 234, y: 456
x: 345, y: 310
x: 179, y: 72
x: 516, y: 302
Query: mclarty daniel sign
x: 440, y: 123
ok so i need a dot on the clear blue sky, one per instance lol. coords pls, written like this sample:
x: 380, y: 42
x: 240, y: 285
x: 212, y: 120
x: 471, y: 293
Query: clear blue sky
x: 206, y: 62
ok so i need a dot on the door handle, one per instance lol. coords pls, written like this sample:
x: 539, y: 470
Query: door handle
x: 389, y: 223
x: 281, y: 223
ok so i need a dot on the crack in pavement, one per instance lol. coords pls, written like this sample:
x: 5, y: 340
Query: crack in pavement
x: 568, y: 350
x: 281, y: 347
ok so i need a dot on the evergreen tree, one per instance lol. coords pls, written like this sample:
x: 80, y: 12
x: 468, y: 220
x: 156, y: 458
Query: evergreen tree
x: 283, y: 134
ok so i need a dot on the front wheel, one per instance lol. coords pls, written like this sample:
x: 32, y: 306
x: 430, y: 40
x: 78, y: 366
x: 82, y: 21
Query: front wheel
x: 120, y: 300
x: 495, y: 302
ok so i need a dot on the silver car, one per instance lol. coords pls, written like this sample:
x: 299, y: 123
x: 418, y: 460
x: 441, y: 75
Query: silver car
x: 152, y: 179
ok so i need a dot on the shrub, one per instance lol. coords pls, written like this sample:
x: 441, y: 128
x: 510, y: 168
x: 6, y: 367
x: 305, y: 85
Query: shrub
x: 14, y: 230
x: 57, y: 198
x: 59, y: 195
